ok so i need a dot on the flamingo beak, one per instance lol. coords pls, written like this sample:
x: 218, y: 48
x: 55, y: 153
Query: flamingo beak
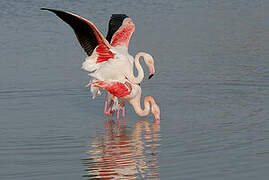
x: 157, y: 117
x: 151, y: 71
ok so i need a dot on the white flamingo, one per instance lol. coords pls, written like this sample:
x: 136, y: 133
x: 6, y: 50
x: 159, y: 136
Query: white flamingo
x: 129, y: 92
x: 108, y: 58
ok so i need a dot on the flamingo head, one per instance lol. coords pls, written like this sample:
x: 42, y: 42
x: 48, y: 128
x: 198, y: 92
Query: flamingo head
x: 150, y: 64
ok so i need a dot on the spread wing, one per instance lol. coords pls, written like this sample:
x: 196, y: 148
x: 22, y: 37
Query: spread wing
x: 114, y: 24
x: 115, y: 88
x: 89, y: 37
x: 120, y: 30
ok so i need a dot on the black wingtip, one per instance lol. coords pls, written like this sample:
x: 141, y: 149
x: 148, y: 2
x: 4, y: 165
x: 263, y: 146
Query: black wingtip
x: 114, y: 24
x: 119, y: 16
x: 45, y: 9
x: 150, y: 76
x: 51, y: 10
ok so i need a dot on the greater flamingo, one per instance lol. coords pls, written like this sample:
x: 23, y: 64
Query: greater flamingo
x: 129, y: 92
x: 109, y: 58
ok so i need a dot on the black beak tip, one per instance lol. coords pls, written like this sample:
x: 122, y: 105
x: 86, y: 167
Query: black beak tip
x: 150, y: 76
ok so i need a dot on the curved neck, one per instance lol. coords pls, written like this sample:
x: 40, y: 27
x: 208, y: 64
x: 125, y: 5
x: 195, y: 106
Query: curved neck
x: 140, y: 71
x: 137, y: 106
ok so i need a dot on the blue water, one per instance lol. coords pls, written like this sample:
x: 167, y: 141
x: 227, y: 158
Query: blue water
x: 212, y: 85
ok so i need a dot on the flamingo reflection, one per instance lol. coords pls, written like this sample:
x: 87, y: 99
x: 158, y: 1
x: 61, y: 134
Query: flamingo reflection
x: 124, y: 153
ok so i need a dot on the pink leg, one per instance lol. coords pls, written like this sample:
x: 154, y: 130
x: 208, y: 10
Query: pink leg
x: 108, y: 111
x: 105, y: 110
x: 123, y: 114
x: 118, y: 115
x: 106, y: 128
x: 112, y: 112
x: 110, y: 107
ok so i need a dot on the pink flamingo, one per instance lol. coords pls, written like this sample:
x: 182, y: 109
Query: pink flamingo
x: 129, y: 92
x: 107, y: 57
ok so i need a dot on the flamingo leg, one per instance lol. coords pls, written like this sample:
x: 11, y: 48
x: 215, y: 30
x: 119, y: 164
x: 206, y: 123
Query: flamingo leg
x: 112, y: 112
x: 106, y: 128
x: 108, y: 111
x: 123, y: 114
x: 105, y: 110
x: 110, y: 108
x: 118, y: 115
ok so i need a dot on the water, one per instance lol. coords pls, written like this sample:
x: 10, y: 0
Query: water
x: 212, y: 85
x: 125, y: 153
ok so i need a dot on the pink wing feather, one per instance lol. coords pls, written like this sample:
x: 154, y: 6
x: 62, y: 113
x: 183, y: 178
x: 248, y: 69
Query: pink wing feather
x: 103, y: 47
x: 123, y: 34
x: 117, y: 89
x: 88, y: 35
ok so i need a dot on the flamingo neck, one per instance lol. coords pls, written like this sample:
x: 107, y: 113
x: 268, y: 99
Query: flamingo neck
x: 137, y: 106
x: 140, y: 71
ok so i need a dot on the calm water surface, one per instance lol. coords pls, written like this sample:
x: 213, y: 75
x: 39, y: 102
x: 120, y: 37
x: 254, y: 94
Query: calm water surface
x: 212, y: 85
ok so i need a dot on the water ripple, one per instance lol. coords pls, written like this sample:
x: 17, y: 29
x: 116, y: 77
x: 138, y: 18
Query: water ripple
x: 124, y: 152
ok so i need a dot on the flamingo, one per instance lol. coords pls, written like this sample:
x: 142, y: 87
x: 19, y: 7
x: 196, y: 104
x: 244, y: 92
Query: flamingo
x: 129, y: 92
x: 107, y: 57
